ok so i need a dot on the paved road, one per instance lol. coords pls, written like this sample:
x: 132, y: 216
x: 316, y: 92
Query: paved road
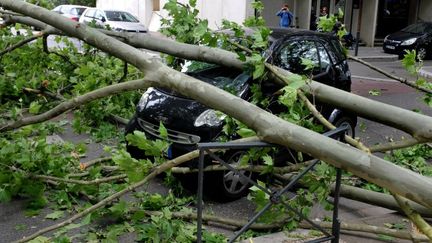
x: 11, y: 214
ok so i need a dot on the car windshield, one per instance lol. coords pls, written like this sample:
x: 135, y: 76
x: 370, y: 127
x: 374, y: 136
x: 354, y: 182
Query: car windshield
x: 420, y: 28
x: 120, y: 16
x: 77, y: 11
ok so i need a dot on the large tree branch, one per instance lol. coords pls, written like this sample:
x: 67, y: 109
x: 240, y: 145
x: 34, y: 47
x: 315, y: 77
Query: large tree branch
x: 77, y: 101
x: 269, y: 127
x: 379, y: 199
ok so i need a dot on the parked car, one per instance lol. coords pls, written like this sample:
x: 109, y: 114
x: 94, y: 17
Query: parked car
x: 116, y: 20
x: 189, y: 122
x: 73, y: 12
x: 413, y: 37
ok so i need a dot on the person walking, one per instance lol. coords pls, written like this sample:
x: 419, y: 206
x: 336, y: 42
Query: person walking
x: 285, y: 16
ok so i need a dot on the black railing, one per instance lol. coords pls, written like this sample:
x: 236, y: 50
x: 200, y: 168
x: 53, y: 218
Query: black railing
x: 275, y: 196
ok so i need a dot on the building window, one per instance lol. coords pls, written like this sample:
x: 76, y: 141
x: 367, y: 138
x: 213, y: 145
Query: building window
x: 156, y: 5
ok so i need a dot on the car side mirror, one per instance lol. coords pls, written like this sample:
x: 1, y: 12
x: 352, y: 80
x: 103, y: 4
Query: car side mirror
x: 103, y: 19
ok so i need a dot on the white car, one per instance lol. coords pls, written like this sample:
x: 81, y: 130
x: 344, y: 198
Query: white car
x: 117, y: 20
x: 73, y: 12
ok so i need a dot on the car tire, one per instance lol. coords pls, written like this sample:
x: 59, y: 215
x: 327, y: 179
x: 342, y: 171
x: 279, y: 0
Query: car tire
x: 228, y: 185
x: 346, y: 121
x: 422, y: 53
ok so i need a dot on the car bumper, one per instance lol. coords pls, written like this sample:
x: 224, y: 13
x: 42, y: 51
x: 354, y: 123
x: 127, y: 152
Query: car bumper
x: 397, y: 48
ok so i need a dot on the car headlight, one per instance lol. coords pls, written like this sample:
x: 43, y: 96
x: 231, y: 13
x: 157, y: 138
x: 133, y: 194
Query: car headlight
x: 409, y: 42
x: 210, y: 118
x: 385, y: 38
x: 144, y: 98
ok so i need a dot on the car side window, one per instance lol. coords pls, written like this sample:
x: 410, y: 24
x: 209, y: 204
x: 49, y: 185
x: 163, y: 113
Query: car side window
x: 325, y: 60
x: 99, y: 15
x: 90, y: 13
x: 338, y: 55
x: 291, y: 54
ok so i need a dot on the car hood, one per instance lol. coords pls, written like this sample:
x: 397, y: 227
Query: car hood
x: 175, y: 112
x: 128, y: 26
x: 402, y: 36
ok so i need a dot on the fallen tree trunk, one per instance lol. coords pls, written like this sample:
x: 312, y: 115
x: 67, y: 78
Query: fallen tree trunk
x: 269, y: 127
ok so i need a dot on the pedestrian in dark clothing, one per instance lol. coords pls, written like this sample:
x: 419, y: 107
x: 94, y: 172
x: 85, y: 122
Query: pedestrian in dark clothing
x: 285, y: 16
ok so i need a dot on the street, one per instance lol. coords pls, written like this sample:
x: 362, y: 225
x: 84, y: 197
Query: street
x: 387, y: 91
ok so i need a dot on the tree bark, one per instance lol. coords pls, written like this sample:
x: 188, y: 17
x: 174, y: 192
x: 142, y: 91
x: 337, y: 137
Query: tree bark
x: 270, y: 127
x: 416, y: 218
x: 379, y: 199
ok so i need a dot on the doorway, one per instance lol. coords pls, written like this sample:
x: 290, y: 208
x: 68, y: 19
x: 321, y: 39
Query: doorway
x: 392, y: 16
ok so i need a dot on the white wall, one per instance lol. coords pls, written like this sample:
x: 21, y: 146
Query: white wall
x: 217, y: 10
x: 303, y: 19
x: 368, y: 21
x: 425, y: 10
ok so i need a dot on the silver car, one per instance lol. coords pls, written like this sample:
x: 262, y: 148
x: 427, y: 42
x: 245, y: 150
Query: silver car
x: 73, y: 12
x: 114, y: 19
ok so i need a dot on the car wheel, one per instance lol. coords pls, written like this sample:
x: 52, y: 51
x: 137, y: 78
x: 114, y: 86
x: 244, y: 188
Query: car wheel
x: 229, y: 185
x: 348, y: 122
x: 421, y: 53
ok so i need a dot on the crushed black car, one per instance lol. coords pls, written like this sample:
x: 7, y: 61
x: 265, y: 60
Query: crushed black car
x: 189, y: 122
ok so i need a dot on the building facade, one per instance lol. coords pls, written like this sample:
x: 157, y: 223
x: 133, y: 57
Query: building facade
x: 372, y: 19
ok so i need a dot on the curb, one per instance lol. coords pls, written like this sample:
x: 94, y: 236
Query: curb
x: 386, y: 58
x: 426, y: 72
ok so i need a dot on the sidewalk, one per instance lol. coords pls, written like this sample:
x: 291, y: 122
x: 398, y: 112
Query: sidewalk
x: 376, y: 54
x: 373, y: 54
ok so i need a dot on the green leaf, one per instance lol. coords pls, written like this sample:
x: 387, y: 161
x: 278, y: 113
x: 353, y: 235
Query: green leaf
x: 308, y: 63
x: 34, y: 107
x: 55, y: 215
x: 246, y: 132
x: 19, y: 227
x: 40, y: 239
x: 4, y: 195
x: 163, y: 131
x: 119, y: 209
x: 375, y: 92
x: 409, y: 61
x: 268, y: 160
x: 289, y: 96
x: 296, y: 81
x: 258, y: 71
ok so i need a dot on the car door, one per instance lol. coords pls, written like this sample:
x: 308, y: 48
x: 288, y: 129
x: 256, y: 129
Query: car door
x: 100, y: 18
x: 88, y: 16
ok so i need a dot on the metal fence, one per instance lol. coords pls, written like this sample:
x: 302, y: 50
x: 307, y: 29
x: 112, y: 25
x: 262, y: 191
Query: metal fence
x: 274, y: 195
